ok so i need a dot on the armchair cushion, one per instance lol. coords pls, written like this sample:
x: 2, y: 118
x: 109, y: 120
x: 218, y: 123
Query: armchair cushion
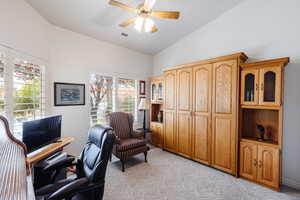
x: 131, y: 143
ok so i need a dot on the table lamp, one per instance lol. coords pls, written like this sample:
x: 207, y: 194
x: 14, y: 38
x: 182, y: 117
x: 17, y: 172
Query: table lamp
x: 143, y: 106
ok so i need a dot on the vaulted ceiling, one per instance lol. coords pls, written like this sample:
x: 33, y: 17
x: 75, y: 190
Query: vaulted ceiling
x: 99, y: 20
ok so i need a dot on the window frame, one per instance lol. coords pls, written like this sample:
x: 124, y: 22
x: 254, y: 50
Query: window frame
x: 10, y: 59
x: 115, y: 102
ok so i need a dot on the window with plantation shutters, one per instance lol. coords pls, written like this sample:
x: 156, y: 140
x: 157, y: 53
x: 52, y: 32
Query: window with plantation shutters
x: 101, y: 96
x: 22, y: 96
x: 27, y: 93
x: 127, y: 96
x: 111, y: 94
x: 2, y: 85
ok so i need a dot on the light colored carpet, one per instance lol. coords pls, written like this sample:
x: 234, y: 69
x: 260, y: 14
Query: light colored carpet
x: 170, y: 177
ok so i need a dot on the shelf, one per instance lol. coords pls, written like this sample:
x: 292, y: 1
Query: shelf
x: 268, y: 119
x: 258, y: 107
x: 254, y: 140
x: 157, y: 102
x: 156, y: 122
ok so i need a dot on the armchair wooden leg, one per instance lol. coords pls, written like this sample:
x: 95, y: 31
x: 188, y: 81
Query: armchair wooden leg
x: 110, y: 157
x: 145, y: 153
x: 123, y: 165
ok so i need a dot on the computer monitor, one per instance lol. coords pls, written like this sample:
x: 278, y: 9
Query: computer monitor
x: 39, y: 133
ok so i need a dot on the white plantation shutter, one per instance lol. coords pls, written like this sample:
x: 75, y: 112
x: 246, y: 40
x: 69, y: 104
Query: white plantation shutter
x: 111, y: 94
x: 2, y: 84
x: 22, y: 94
x: 28, y: 94
x: 127, y: 96
x: 101, y: 96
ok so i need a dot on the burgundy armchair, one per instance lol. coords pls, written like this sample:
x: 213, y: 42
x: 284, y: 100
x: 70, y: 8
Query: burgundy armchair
x: 128, y: 141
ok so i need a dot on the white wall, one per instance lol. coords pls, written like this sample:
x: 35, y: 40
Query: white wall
x: 263, y: 30
x: 22, y: 28
x: 73, y: 57
x: 69, y: 57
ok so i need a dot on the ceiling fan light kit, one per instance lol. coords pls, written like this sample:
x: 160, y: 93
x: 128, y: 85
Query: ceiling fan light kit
x: 143, y: 21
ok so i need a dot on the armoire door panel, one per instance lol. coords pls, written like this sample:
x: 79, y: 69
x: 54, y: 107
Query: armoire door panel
x: 184, y: 86
x: 202, y: 138
x: 222, y: 143
x: 170, y: 130
x: 184, y: 133
x: 170, y: 90
x: 202, y: 88
x: 248, y: 160
x: 268, y: 166
x: 224, y: 115
x: 223, y: 74
x: 184, y: 111
x: 202, y: 79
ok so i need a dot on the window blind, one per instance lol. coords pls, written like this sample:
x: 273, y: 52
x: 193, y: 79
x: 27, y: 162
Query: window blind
x: 2, y: 85
x: 27, y: 93
x: 101, y: 94
x: 127, y: 96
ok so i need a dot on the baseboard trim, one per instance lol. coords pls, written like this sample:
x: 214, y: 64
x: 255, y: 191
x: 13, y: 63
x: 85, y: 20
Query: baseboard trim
x: 291, y: 183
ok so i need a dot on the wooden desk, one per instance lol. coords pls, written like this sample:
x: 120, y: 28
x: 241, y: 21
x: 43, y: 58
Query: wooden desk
x: 51, y: 149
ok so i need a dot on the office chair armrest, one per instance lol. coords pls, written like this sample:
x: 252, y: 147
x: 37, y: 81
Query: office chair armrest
x: 63, y: 163
x: 68, y: 190
x: 138, y: 134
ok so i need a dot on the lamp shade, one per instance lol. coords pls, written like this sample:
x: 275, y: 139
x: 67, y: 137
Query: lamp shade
x: 143, y: 104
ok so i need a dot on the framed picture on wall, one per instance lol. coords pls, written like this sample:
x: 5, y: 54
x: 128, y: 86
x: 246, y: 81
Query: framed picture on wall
x: 142, y: 88
x: 69, y: 94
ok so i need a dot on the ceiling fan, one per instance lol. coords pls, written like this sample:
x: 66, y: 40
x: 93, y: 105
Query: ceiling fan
x: 144, y: 12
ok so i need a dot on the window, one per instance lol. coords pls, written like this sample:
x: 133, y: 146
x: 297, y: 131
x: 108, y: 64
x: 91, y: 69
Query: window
x: 21, y: 93
x: 127, y: 96
x: 109, y: 94
x: 2, y: 85
x: 101, y: 96
x: 27, y: 93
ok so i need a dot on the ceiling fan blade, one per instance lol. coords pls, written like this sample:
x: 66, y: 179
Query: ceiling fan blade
x: 154, y: 29
x: 128, y: 22
x: 165, y: 14
x: 149, y: 4
x: 121, y: 5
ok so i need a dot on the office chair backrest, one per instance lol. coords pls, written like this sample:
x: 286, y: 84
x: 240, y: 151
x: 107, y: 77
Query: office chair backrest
x: 122, y: 123
x: 94, y: 158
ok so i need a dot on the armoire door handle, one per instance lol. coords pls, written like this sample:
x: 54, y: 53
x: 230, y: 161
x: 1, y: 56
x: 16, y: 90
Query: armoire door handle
x: 255, y: 162
x: 260, y: 164
x: 256, y: 86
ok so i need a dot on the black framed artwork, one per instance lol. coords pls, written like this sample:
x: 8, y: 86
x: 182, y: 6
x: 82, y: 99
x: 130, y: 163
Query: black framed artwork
x: 69, y: 94
x: 142, y: 88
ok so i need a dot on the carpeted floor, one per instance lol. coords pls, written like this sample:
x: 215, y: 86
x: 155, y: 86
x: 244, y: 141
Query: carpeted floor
x: 170, y: 177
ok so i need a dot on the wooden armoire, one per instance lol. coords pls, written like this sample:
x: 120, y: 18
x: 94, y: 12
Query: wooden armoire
x: 201, y: 110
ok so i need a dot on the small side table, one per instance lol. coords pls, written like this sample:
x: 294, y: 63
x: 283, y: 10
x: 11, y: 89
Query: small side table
x: 145, y: 131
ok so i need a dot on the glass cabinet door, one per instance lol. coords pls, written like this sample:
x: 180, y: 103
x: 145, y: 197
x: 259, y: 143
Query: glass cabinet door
x: 270, y: 81
x: 160, y: 91
x: 153, y: 92
x: 249, y: 93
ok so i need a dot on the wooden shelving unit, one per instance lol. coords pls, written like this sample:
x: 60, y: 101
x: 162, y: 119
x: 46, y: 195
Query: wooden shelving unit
x: 261, y: 105
x: 156, y: 111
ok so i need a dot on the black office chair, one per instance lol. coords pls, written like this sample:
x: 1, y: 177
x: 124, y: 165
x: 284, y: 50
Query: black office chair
x: 90, y: 170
